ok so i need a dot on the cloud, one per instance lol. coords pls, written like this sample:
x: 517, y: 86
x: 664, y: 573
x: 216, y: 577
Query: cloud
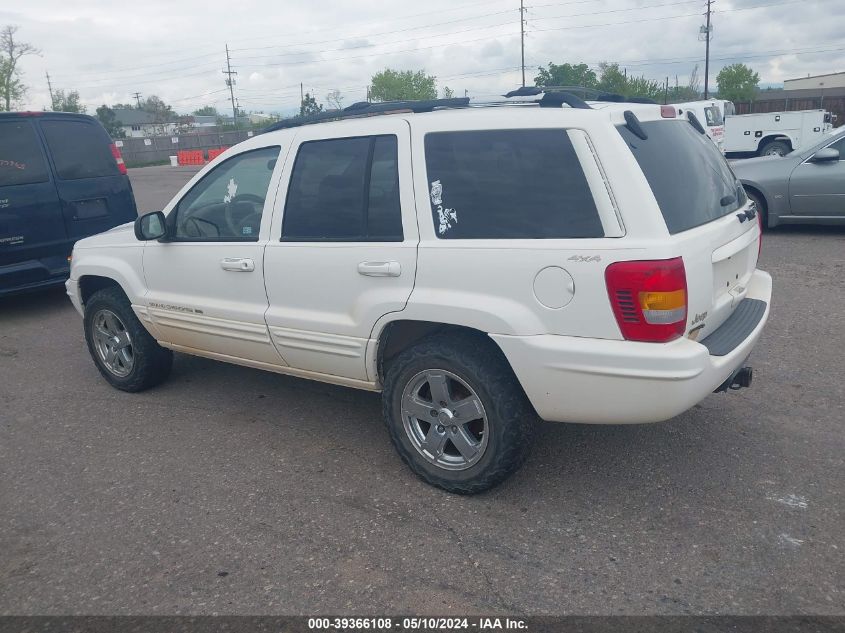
x: 177, y: 50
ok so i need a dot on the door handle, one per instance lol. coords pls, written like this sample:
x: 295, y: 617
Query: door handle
x: 237, y: 264
x: 380, y: 269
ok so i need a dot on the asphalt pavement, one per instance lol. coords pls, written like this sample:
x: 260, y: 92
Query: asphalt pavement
x: 231, y: 490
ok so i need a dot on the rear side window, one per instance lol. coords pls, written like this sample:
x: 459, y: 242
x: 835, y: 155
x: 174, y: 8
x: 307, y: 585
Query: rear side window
x: 345, y: 189
x: 508, y: 184
x: 713, y: 116
x: 21, y: 161
x: 79, y: 149
x: 690, y: 178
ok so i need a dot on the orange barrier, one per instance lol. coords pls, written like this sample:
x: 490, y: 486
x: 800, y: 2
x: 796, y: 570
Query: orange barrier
x: 190, y: 157
x: 214, y: 153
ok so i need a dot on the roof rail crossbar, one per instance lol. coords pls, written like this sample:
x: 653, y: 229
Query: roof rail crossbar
x: 552, y: 98
x: 366, y: 108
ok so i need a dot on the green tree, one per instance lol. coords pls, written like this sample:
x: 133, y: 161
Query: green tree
x: 109, y: 120
x: 206, y: 111
x: 642, y: 87
x: 566, y: 75
x: 737, y: 82
x: 67, y: 102
x: 405, y: 85
x: 309, y: 105
x: 12, y: 89
x: 612, y: 80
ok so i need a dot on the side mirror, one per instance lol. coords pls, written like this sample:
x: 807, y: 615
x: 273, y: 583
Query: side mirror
x: 151, y: 226
x: 826, y: 155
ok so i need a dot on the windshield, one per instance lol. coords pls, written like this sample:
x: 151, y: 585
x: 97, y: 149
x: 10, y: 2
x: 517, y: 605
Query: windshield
x: 690, y: 178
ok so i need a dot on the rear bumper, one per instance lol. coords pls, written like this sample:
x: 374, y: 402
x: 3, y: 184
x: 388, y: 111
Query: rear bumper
x: 599, y: 381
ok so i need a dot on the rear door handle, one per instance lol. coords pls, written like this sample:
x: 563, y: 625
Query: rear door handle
x: 380, y: 269
x: 237, y: 264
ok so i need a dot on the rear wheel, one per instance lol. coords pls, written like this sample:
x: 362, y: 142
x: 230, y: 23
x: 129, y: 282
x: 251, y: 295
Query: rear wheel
x: 775, y: 148
x: 123, y: 351
x: 456, y: 413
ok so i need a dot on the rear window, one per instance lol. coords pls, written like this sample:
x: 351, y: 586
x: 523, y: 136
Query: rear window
x: 79, y: 149
x: 508, y: 184
x: 713, y: 116
x: 21, y: 161
x: 689, y: 176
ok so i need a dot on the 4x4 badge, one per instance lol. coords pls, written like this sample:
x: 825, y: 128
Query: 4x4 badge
x: 585, y: 258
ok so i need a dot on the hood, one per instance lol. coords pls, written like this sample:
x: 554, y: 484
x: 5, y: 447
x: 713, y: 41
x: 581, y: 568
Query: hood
x: 121, y: 235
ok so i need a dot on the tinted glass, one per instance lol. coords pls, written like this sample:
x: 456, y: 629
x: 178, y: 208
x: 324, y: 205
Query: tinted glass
x: 227, y: 204
x: 384, y: 218
x: 21, y: 161
x: 689, y: 176
x: 508, y: 184
x: 713, y: 116
x: 344, y: 189
x: 79, y: 149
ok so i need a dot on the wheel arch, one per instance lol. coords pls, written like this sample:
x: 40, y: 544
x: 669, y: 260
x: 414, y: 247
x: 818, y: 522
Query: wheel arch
x: 398, y: 335
x: 756, y: 191
x: 770, y: 138
x: 89, y: 284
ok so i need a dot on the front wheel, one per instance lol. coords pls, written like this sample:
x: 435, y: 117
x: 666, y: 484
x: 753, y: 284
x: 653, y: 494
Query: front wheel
x: 123, y: 351
x: 456, y: 413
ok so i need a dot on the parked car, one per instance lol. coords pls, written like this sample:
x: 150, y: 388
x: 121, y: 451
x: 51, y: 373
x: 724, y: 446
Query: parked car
x: 480, y: 266
x: 61, y: 179
x: 804, y: 187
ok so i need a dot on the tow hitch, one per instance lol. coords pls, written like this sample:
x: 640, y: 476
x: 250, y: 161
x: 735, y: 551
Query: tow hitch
x: 742, y: 377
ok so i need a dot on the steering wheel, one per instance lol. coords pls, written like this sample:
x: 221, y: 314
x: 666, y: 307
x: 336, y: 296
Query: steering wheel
x: 235, y: 216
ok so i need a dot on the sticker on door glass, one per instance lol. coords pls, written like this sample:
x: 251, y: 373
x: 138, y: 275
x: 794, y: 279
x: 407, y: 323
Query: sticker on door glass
x: 231, y: 190
x: 446, y: 217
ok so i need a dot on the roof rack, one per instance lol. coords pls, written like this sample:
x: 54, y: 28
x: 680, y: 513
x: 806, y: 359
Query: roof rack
x: 365, y: 108
x: 548, y: 97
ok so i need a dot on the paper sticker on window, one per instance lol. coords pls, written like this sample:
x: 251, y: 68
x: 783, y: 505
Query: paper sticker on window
x: 247, y: 230
x: 445, y: 216
x: 231, y: 190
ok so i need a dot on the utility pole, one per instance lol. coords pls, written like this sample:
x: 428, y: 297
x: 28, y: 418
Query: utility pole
x: 302, y: 94
x: 50, y: 88
x: 522, y: 36
x: 137, y: 96
x: 707, y: 35
x: 231, y: 83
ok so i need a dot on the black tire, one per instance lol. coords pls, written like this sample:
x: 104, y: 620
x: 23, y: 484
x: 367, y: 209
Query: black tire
x: 510, y: 417
x: 775, y: 148
x: 760, y: 203
x: 150, y: 363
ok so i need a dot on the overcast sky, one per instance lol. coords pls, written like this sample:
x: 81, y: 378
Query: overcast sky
x: 107, y: 49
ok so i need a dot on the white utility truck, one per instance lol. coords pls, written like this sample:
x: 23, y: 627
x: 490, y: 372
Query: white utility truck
x: 775, y: 133
x: 709, y: 113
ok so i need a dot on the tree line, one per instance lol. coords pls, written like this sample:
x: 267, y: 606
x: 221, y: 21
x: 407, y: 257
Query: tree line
x: 736, y: 82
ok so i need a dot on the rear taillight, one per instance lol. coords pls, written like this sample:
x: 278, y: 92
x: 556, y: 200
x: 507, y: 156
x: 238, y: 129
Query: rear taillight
x: 115, y: 151
x: 760, y: 239
x: 649, y: 299
x: 668, y: 112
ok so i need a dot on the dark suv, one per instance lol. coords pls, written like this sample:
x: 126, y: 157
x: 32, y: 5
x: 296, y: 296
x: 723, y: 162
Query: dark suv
x: 61, y: 179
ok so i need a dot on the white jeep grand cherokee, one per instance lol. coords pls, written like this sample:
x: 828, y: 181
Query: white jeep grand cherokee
x: 480, y: 266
